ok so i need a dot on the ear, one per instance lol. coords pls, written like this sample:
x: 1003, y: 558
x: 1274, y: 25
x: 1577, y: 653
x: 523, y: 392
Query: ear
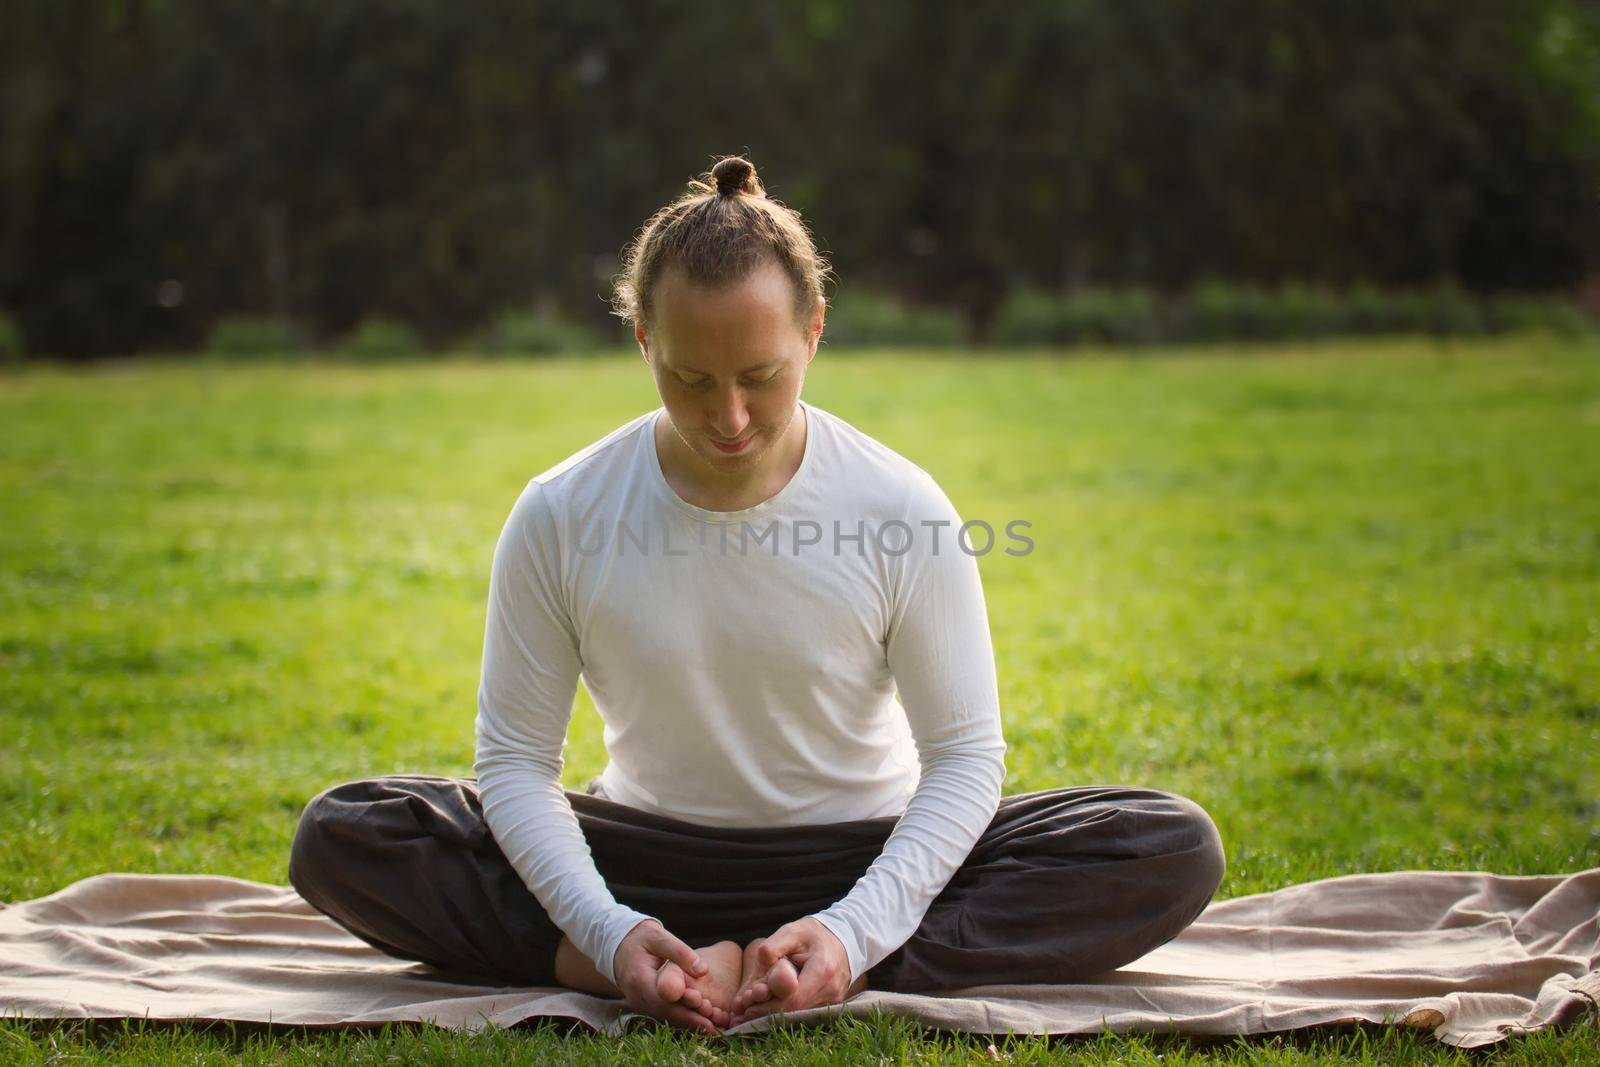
x: 643, y: 340
x: 814, y: 328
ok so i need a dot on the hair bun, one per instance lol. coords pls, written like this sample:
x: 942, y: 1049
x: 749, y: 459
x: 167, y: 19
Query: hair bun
x: 735, y: 174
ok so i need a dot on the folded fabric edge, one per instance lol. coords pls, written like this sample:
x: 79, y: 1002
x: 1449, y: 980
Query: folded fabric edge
x: 1419, y: 1018
x: 476, y: 1026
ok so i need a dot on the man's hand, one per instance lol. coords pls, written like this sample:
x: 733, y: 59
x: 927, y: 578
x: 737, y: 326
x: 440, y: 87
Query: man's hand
x: 823, y: 978
x: 650, y: 966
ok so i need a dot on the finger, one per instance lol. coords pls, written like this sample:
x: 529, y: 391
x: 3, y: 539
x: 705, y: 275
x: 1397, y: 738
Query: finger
x: 757, y: 1011
x: 815, y: 989
x: 678, y: 1015
x: 768, y: 1007
x: 757, y: 992
x: 663, y: 944
x: 819, y: 987
x: 787, y: 940
x: 762, y: 988
x: 754, y: 989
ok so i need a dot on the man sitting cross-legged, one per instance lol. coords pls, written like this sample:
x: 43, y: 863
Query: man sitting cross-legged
x: 744, y: 583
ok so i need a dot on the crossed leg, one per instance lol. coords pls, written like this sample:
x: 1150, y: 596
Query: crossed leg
x: 1064, y: 884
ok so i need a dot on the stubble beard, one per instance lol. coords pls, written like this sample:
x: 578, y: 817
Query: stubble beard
x: 741, y: 462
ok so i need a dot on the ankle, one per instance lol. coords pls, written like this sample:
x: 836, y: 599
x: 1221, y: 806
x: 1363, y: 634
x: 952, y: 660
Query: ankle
x: 577, y: 971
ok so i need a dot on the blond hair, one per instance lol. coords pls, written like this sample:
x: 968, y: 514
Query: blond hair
x: 720, y: 231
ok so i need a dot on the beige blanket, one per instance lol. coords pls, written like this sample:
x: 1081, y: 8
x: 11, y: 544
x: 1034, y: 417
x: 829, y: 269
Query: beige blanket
x: 1472, y: 957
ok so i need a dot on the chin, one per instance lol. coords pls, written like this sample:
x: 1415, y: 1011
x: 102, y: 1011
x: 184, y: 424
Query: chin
x: 752, y: 452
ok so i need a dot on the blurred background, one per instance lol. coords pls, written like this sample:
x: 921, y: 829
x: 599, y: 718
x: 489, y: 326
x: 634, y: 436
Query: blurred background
x: 417, y: 175
x: 1277, y: 320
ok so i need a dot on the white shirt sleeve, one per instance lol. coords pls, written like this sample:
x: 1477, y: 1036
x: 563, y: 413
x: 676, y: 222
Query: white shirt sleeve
x: 530, y: 675
x: 939, y: 651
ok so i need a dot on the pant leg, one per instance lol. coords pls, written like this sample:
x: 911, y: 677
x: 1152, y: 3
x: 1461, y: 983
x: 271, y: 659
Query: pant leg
x: 1064, y: 884
x: 407, y: 864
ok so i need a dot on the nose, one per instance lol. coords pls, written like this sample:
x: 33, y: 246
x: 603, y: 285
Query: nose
x: 729, y: 417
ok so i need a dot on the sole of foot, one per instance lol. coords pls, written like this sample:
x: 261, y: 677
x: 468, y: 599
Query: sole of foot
x: 710, y: 994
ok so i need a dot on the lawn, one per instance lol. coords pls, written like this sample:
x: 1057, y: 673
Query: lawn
x: 1346, y: 596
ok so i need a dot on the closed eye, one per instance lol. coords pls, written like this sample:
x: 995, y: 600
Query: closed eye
x: 703, y: 382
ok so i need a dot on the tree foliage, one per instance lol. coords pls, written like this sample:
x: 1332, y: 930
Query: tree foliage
x: 443, y: 164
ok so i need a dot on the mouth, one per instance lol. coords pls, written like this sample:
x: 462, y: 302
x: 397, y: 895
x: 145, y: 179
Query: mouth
x: 735, y: 447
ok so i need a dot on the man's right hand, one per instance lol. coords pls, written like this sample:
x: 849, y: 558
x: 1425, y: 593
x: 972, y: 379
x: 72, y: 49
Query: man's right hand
x: 647, y: 988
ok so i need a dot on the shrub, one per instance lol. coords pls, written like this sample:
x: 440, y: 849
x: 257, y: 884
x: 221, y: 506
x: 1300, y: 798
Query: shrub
x: 1304, y: 311
x: 534, y: 333
x: 863, y: 319
x: 1369, y: 309
x: 380, y: 338
x: 1222, y: 311
x: 1537, y: 314
x: 1449, y: 312
x: 1108, y: 316
x: 12, y: 346
x: 1227, y: 311
x: 244, y: 335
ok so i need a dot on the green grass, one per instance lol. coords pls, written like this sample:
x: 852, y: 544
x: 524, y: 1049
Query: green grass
x: 880, y: 1040
x: 1346, y: 596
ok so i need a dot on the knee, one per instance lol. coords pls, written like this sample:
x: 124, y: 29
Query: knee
x: 1199, y: 851
x: 323, y: 835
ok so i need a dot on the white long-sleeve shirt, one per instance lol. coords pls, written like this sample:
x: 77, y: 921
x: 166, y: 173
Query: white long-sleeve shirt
x: 745, y: 666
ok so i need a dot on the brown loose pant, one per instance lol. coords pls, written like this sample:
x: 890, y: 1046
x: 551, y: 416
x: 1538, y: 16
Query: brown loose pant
x: 1063, y: 884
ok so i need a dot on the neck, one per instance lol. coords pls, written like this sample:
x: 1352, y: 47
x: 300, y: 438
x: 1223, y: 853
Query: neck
x: 690, y: 478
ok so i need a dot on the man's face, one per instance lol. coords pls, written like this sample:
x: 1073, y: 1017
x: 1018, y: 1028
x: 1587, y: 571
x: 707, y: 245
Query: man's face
x: 729, y: 362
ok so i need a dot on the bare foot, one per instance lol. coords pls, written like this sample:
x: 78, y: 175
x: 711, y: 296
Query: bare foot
x: 779, y: 981
x: 712, y: 993
x: 758, y: 984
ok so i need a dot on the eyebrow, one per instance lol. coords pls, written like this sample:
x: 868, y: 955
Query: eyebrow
x: 748, y: 370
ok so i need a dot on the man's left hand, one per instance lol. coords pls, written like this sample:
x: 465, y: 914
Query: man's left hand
x: 821, y: 961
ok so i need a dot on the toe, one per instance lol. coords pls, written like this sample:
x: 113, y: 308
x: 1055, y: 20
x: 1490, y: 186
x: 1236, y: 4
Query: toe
x: 670, y: 983
x: 782, y: 980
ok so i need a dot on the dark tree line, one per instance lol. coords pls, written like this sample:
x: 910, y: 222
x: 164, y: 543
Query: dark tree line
x: 440, y: 162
